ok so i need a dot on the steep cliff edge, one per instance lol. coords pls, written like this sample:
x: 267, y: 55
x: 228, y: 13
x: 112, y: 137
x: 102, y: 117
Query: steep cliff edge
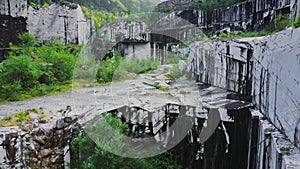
x: 264, y: 69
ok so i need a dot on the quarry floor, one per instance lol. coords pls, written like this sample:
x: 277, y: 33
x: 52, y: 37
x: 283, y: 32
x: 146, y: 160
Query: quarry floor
x: 137, y: 92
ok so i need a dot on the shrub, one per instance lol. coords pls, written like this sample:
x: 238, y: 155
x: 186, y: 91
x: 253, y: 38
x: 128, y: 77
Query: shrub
x: 296, y: 23
x: 19, y: 71
x: 11, y: 124
x: 107, y: 68
x: 282, y: 21
x: 11, y: 91
x: 58, y: 64
x: 285, y: 150
x: 23, y: 116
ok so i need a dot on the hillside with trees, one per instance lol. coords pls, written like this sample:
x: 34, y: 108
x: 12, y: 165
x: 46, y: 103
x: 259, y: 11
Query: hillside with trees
x: 114, y: 6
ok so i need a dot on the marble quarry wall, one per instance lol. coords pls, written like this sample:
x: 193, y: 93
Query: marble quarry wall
x: 174, y: 4
x: 127, y: 36
x: 264, y: 70
x: 251, y: 15
x: 63, y: 21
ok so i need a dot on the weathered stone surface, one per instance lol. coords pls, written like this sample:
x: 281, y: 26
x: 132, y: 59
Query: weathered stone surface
x: 123, y: 29
x: 61, y: 22
x: 13, y: 8
x: 174, y: 4
x: 250, y: 15
x: 182, y: 65
x: 127, y: 36
x: 64, y: 22
x: 60, y: 124
x: 263, y: 69
x: 42, y: 147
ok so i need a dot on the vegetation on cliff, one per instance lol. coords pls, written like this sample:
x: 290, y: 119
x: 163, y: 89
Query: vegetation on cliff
x: 281, y: 22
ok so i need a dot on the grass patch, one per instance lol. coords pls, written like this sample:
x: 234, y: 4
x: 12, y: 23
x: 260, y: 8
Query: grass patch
x: 42, y: 116
x: 172, y: 59
x: 166, y: 70
x: 18, y: 119
x: 184, y: 92
x: 118, y: 69
x: 164, y: 88
x: 23, y: 116
x: 285, y: 150
x: 7, y: 118
x: 34, y: 110
x: 244, y: 34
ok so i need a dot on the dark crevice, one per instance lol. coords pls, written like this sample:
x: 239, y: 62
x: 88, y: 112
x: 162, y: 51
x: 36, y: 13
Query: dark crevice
x: 66, y: 29
x: 8, y: 5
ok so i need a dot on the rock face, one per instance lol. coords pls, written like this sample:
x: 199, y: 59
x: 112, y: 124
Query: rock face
x: 174, y: 4
x: 123, y: 29
x: 263, y: 69
x: 14, y: 8
x: 126, y: 36
x: 13, y: 18
x: 42, y: 147
x: 251, y: 15
x: 63, y: 22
